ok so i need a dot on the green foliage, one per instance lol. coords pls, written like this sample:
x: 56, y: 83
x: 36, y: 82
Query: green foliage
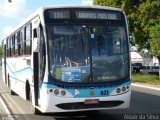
x: 0, y: 52
x: 155, y: 40
x: 142, y: 15
x: 143, y: 78
x: 111, y: 3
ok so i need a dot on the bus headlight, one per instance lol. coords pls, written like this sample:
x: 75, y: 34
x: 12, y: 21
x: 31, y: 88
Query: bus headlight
x: 118, y: 90
x: 123, y: 89
x: 63, y: 93
x: 56, y: 92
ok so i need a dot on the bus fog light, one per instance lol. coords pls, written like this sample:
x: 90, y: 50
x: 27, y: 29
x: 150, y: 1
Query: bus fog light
x: 63, y: 92
x: 56, y: 92
x: 123, y: 89
x: 118, y: 90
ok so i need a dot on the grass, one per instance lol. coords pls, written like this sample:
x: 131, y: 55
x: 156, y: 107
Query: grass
x: 144, y: 78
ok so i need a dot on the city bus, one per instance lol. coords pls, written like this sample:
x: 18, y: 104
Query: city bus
x: 70, y: 58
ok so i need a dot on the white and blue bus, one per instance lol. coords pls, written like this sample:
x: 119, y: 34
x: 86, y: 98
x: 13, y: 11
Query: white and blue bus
x: 70, y: 58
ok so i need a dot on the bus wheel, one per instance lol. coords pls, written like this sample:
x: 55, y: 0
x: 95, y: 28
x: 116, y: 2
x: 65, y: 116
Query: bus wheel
x: 9, y: 86
x: 27, y: 91
x: 34, y: 110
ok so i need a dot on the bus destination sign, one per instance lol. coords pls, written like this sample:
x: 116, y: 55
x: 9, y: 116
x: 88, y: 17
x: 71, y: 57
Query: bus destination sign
x: 97, y: 15
x: 59, y: 14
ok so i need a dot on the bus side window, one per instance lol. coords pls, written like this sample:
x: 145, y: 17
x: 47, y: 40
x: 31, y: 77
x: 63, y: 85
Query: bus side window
x: 28, y: 38
x: 21, y: 50
x: 16, y: 45
x: 8, y: 47
x: 19, y: 43
x: 13, y: 46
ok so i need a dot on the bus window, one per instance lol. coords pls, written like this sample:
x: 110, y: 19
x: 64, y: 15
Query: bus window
x: 28, y: 39
x: 8, y: 47
x: 67, y: 52
x: 118, y: 37
x: 21, y: 42
x: 70, y: 51
x: 16, y: 45
x: 12, y: 47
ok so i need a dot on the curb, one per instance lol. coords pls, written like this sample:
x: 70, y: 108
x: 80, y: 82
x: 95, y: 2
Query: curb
x: 4, y: 106
x: 146, y: 87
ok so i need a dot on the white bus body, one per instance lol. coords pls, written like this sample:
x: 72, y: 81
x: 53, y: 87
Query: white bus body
x: 33, y: 55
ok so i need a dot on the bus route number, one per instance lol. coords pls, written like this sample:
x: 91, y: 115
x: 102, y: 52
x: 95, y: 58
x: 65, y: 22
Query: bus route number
x: 104, y: 92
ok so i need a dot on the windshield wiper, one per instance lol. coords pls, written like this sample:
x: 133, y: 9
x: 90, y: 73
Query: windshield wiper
x: 100, y: 41
x: 72, y: 29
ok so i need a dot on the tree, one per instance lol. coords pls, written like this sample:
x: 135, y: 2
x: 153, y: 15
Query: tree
x: 155, y: 42
x: 132, y: 9
x: 149, y: 16
x: 142, y: 14
x: 111, y: 3
x: 0, y: 53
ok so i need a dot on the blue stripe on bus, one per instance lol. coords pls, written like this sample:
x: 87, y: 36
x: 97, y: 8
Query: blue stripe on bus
x: 27, y: 69
x: 98, y: 91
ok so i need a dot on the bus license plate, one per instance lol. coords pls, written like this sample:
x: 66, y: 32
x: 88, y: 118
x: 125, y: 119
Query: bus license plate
x: 91, y: 101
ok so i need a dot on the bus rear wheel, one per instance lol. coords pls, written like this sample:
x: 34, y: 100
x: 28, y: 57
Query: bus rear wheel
x: 34, y: 110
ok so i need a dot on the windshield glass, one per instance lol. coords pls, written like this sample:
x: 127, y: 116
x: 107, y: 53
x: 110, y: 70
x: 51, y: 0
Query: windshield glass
x: 88, y: 53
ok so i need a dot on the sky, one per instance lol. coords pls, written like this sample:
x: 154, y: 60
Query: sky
x: 12, y: 13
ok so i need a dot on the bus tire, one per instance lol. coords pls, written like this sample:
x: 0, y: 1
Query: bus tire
x: 9, y: 86
x: 27, y: 91
x: 34, y: 110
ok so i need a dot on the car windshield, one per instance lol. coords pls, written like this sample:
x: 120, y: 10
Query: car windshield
x: 88, y: 53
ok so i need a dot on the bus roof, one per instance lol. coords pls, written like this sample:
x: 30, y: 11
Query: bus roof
x: 41, y: 9
x: 81, y: 6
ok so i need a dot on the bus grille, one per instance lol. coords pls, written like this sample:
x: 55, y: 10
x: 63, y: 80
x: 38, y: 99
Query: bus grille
x: 81, y: 105
x: 82, y: 87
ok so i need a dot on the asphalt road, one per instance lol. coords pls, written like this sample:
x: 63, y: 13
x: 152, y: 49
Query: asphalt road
x: 145, y: 104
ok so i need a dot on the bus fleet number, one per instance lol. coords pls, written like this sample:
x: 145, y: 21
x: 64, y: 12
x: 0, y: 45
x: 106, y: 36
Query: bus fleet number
x: 104, y: 92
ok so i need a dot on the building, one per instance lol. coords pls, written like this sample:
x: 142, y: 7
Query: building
x: 155, y: 61
x: 136, y: 57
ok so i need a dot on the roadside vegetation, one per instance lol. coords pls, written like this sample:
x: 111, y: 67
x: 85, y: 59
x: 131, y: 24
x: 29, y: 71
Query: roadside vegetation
x: 0, y: 52
x: 146, y: 78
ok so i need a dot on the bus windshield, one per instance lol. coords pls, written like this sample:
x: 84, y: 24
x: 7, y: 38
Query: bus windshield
x: 88, y: 53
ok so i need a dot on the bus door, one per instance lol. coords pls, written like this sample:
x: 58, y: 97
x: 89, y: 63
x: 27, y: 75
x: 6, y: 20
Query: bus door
x: 35, y: 64
x: 39, y: 61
